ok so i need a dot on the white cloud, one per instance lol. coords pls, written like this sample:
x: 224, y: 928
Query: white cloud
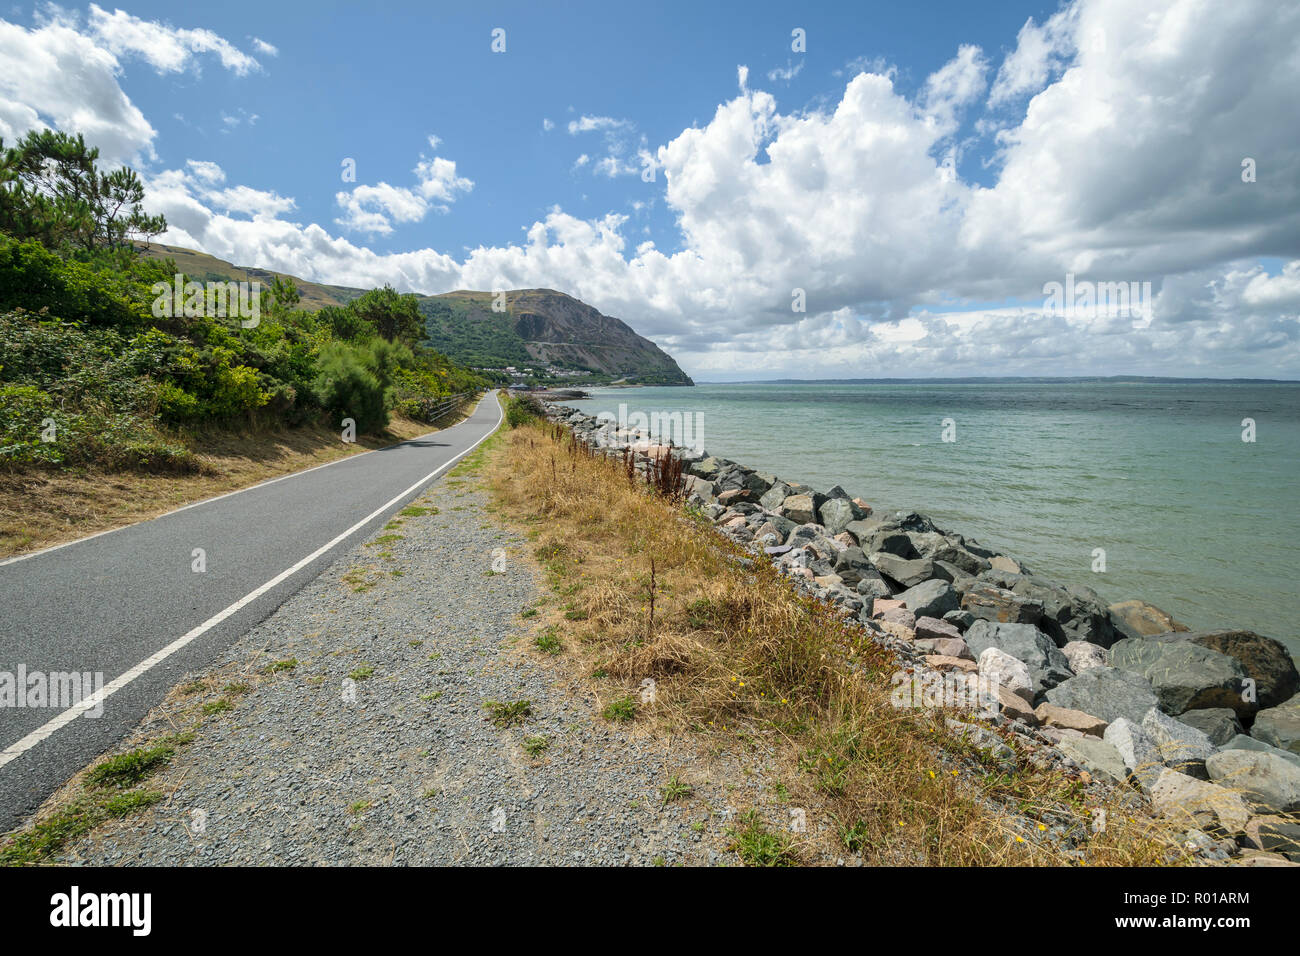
x: 266, y: 49
x: 785, y: 74
x: 1118, y: 160
x: 374, y: 209
x: 165, y: 48
x: 66, y: 73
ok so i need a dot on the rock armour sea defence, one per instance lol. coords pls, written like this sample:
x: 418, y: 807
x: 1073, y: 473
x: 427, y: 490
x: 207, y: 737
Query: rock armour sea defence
x: 1205, y: 725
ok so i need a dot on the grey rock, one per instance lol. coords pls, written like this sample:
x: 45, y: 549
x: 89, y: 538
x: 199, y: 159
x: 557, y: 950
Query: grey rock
x: 1220, y: 724
x: 1107, y: 693
x: 1181, y: 747
x: 1083, y: 655
x: 1267, y: 662
x: 837, y: 513
x: 1047, y: 665
x: 1280, y: 725
x: 905, y: 573
x: 1185, y: 676
x: 1136, y: 749
x: 1246, y: 742
x: 1180, y: 797
x: 1265, y: 780
x: 774, y: 496
x: 1095, y: 756
x: 930, y: 598
x: 991, y: 603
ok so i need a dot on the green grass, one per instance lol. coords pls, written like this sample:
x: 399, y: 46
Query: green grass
x: 528, y: 612
x: 106, y: 795
x: 128, y: 769
x: 362, y: 672
x: 756, y: 845
x: 288, y: 664
x: 535, y: 745
x: 676, y: 789
x: 548, y: 642
x: 124, y: 804
x: 509, y: 714
x: 620, y: 710
x: 218, y: 706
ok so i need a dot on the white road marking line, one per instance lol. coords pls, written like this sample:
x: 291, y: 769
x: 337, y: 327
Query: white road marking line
x: 72, y: 713
x: 238, y: 491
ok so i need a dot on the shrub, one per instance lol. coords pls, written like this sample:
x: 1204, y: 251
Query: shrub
x: 33, y: 278
x: 521, y: 410
x: 347, y: 388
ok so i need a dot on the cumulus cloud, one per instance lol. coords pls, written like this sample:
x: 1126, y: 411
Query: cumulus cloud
x: 375, y: 208
x: 65, y: 73
x: 166, y: 48
x: 1115, y: 149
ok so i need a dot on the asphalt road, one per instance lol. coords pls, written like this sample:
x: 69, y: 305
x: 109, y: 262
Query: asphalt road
x: 130, y: 606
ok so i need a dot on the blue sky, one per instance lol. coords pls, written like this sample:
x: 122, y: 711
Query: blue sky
x: 373, y: 86
x: 920, y: 172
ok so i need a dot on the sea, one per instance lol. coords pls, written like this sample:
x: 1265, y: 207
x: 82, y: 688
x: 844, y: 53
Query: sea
x: 1184, y: 494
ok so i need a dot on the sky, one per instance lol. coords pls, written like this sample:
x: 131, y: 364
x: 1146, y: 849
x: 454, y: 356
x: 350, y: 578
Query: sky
x: 766, y: 190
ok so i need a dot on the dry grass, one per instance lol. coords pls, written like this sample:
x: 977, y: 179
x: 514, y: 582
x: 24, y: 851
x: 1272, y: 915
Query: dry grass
x: 43, y: 508
x: 644, y: 590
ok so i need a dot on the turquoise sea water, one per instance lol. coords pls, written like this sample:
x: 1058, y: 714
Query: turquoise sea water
x: 1191, y: 517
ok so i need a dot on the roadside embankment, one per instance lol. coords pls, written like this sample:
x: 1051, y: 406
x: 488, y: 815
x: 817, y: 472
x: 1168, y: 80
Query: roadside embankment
x: 1201, y: 727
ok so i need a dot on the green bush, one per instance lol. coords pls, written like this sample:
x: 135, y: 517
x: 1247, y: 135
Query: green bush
x: 33, y: 278
x: 521, y: 410
x: 347, y: 387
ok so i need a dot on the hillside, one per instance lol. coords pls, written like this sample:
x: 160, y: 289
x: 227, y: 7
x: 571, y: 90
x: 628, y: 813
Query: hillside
x: 205, y: 268
x: 541, y: 328
x: 547, y: 328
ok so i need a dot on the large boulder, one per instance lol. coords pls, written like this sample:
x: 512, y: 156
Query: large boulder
x: 929, y: 628
x: 801, y: 509
x: 1047, y: 665
x: 862, y: 531
x: 1107, y: 693
x: 1083, y: 655
x: 1063, y: 718
x: 1280, y: 725
x: 1220, y: 724
x: 852, y: 565
x: 990, y: 603
x: 774, y: 496
x: 1068, y: 615
x: 903, y: 572
x: 1197, y: 803
x: 1267, y: 782
x: 1095, y: 756
x: 1247, y: 742
x: 836, y: 514
x: 1003, y: 670
x: 1185, y: 676
x: 1136, y: 749
x: 932, y: 598
x: 950, y: 552
x: 1139, y: 619
x: 1181, y: 747
x: 706, y: 468
x: 889, y: 540
x: 1266, y: 661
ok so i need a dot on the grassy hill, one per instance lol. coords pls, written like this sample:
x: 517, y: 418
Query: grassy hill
x: 541, y: 327
x: 205, y: 268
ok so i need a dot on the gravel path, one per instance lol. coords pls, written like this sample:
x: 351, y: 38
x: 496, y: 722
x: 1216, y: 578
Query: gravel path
x: 413, y: 771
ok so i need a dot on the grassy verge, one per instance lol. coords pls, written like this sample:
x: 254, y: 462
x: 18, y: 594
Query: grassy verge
x: 642, y: 591
x: 40, y: 508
